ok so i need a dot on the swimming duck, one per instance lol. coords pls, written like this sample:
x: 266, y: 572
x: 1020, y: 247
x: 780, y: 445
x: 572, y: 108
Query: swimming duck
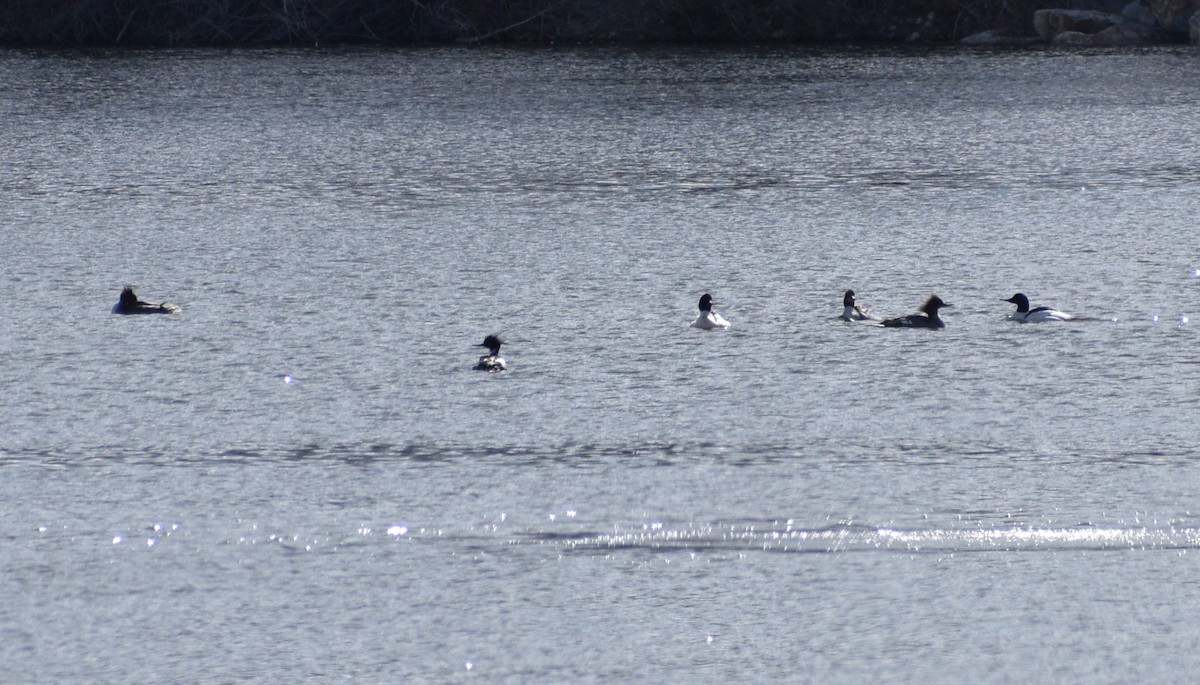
x: 708, y: 319
x: 130, y: 304
x: 492, y: 361
x: 929, y: 319
x: 852, y: 312
x: 1026, y: 315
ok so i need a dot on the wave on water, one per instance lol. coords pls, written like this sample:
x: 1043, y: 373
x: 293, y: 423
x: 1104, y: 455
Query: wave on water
x: 835, y: 451
x: 852, y: 538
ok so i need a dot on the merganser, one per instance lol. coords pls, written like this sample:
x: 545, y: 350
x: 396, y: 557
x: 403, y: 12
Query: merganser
x: 852, y: 312
x: 1026, y: 315
x: 130, y: 304
x: 708, y: 319
x: 929, y: 319
x: 492, y: 361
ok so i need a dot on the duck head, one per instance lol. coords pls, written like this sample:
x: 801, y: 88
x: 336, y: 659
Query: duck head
x: 128, y: 298
x: 1021, y: 301
x: 493, y: 344
x: 933, y: 304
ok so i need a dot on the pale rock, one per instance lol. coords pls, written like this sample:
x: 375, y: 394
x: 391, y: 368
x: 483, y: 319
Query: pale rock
x: 1049, y: 23
x: 1120, y: 35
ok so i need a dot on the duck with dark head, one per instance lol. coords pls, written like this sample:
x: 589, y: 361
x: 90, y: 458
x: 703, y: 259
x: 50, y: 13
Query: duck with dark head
x: 851, y: 311
x: 130, y: 304
x: 708, y: 319
x: 492, y: 361
x: 1026, y: 315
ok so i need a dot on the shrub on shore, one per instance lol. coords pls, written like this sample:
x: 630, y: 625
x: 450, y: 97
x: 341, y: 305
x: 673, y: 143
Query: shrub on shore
x: 309, y: 22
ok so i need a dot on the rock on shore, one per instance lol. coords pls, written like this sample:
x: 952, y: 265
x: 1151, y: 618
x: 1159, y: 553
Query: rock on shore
x: 1159, y: 21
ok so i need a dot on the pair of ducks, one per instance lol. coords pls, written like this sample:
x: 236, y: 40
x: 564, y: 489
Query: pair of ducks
x: 130, y: 304
x: 929, y: 317
x: 492, y: 361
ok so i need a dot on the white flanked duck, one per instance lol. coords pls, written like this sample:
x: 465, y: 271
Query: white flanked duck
x: 492, y: 361
x: 130, y: 304
x: 927, y: 319
x: 708, y: 319
x: 852, y: 312
x: 1036, y: 315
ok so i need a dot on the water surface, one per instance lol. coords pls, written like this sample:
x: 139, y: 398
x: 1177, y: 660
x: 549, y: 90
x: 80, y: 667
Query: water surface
x: 299, y: 477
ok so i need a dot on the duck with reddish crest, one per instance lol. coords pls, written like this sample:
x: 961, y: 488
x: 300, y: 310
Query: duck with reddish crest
x: 130, y: 304
x: 928, y: 318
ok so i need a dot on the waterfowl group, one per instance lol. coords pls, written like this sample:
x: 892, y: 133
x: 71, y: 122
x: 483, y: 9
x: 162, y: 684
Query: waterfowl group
x: 929, y: 318
x: 707, y: 319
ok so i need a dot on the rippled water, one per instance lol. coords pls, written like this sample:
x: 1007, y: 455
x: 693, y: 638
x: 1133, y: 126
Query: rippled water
x: 299, y: 477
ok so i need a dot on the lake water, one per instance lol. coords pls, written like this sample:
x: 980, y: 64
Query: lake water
x: 299, y: 478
